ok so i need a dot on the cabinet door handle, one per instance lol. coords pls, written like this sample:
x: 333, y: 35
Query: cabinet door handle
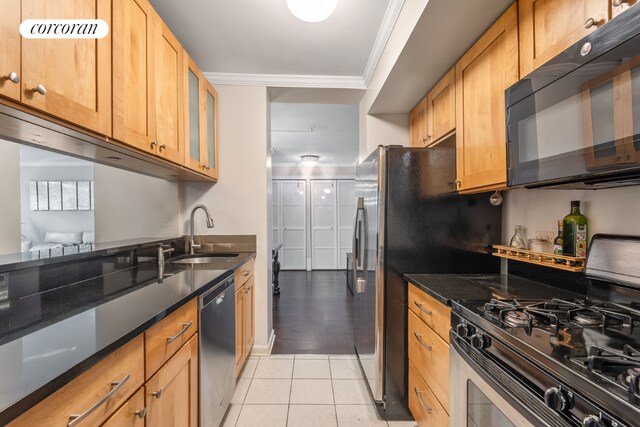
x: 141, y: 413
x: 590, y: 23
x: 153, y: 144
x: 425, y: 311
x: 617, y: 3
x: 162, y: 147
x: 157, y: 394
x: 13, y: 77
x: 418, y: 393
x: 117, y: 385
x: 40, y: 89
x: 185, y: 326
x: 425, y: 345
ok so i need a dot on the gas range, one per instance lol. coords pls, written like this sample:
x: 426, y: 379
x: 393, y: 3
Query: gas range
x: 579, y: 359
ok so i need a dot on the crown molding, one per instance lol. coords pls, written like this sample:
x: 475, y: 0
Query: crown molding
x: 286, y: 80
x: 388, y: 22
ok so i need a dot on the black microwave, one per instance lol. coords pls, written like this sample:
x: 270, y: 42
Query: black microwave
x: 575, y: 121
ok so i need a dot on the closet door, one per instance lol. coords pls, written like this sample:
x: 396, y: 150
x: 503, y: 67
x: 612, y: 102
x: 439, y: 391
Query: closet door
x: 293, y: 196
x: 277, y: 216
x: 346, y: 208
x: 324, y: 225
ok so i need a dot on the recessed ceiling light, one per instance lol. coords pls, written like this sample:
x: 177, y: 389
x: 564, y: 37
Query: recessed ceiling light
x: 310, y: 160
x: 312, y: 10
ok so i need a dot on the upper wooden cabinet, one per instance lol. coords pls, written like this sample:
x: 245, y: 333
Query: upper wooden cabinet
x: 10, y: 49
x: 133, y: 73
x: 441, y: 104
x: 482, y: 75
x: 201, y: 128
x: 547, y: 27
x: 418, y: 124
x: 71, y: 78
x: 147, y: 81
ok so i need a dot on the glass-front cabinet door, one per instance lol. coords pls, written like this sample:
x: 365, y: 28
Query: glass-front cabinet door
x: 201, y: 129
x: 210, y: 146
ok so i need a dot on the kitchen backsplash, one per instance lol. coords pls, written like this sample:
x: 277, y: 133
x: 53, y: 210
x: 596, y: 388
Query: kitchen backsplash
x: 614, y: 211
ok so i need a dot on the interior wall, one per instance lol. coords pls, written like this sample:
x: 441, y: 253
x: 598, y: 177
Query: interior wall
x: 36, y: 223
x: 370, y: 125
x: 129, y: 205
x: 608, y: 211
x: 239, y: 202
x: 10, y: 196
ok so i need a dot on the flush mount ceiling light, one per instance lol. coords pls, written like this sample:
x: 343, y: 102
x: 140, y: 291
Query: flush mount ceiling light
x: 310, y: 160
x: 312, y: 10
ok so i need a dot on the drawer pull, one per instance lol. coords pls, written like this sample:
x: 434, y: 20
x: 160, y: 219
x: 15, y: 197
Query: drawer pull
x: 425, y: 345
x: 618, y: 3
x: 157, y: 394
x: 185, y: 326
x: 418, y: 393
x: 419, y: 305
x: 13, y: 77
x: 246, y: 273
x: 117, y: 385
x: 141, y: 413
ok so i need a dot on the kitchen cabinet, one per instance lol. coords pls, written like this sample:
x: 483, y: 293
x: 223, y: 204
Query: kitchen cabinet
x: 482, y: 75
x: 118, y: 376
x: 424, y: 406
x: 71, y: 78
x: 131, y: 414
x: 172, y: 393
x: 147, y: 82
x: 441, y: 105
x: 548, y: 27
x: 10, y: 48
x: 428, y: 325
x: 201, y: 129
x: 244, y: 297
x: 166, y: 337
x: 418, y: 124
x: 619, y: 6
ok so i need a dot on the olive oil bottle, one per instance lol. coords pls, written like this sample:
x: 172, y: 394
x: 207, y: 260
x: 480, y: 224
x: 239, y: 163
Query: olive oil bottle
x: 574, y: 232
x: 557, y: 242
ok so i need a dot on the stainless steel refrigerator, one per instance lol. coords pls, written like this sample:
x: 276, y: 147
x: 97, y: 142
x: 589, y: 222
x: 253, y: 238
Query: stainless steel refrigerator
x: 409, y: 219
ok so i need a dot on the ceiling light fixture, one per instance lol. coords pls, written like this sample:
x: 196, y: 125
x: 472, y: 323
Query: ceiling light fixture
x: 310, y: 160
x: 312, y: 10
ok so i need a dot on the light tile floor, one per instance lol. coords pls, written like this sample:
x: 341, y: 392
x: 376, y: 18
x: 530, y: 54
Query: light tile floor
x: 304, y: 390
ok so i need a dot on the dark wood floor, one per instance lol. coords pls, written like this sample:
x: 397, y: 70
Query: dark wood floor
x: 313, y: 313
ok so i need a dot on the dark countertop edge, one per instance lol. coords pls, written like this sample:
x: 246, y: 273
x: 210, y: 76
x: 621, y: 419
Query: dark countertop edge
x: 98, y: 250
x: 19, y: 407
x: 425, y: 288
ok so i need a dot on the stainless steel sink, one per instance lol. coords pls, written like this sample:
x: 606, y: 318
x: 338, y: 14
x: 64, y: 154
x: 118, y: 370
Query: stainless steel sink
x: 205, y: 258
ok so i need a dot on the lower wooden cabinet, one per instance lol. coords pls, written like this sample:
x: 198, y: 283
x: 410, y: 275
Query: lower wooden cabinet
x: 117, y: 376
x: 428, y: 359
x: 172, y: 393
x: 245, y: 329
x: 131, y: 414
x: 423, y: 404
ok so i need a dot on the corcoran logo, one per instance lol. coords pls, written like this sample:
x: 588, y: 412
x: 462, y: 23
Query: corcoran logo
x: 64, y: 28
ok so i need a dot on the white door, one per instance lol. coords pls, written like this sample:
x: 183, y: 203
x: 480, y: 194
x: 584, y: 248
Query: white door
x: 293, y: 196
x: 276, y: 215
x: 346, y: 209
x: 324, y: 235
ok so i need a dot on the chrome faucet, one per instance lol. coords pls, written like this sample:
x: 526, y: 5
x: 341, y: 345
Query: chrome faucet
x: 192, y: 245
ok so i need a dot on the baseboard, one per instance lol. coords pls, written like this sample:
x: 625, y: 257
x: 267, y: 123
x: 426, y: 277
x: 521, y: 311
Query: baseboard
x: 260, y: 350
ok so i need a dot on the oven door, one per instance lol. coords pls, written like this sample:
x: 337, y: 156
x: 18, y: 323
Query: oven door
x: 483, y: 394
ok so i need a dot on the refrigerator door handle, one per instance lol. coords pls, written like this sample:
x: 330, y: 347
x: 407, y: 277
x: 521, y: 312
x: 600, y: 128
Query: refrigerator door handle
x: 357, y: 245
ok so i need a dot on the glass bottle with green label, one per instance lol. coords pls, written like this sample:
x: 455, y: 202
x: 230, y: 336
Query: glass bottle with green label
x: 574, y: 232
x: 557, y: 242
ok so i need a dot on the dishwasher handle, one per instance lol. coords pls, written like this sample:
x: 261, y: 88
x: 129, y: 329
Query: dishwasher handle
x: 216, y: 294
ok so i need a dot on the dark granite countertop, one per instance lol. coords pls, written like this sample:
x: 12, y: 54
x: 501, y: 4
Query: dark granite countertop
x: 450, y: 287
x: 49, y: 338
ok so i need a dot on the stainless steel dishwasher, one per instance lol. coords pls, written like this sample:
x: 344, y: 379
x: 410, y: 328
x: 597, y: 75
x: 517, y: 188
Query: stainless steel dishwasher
x: 217, y: 352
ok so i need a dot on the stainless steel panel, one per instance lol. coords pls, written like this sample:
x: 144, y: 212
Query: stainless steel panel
x: 217, y: 352
x: 368, y: 307
x: 614, y: 259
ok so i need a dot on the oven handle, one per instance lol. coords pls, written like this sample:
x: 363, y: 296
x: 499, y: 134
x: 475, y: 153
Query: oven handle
x: 517, y: 395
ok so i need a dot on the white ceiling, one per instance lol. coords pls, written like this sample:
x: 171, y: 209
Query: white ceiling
x: 327, y: 130
x: 248, y: 37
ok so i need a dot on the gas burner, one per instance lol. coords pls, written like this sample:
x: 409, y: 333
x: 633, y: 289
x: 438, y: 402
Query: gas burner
x: 517, y: 318
x: 587, y: 318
